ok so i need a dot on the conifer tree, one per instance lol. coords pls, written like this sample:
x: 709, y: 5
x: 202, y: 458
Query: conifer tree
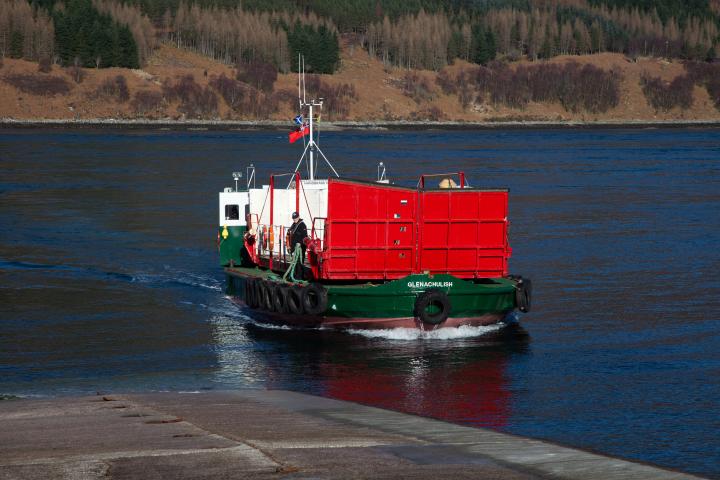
x: 483, y: 45
x: 319, y: 47
x: 455, y: 47
x: 94, y: 38
x: 127, y: 51
x: 16, y: 44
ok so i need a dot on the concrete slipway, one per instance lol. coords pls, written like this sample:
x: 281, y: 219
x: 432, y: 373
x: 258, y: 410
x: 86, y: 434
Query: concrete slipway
x: 271, y: 434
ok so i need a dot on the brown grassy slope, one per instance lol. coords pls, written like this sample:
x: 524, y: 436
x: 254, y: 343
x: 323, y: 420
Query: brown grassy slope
x: 380, y: 96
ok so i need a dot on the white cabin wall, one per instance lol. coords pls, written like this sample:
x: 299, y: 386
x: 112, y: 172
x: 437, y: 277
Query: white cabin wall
x: 257, y: 199
x: 284, y: 201
x: 232, y: 198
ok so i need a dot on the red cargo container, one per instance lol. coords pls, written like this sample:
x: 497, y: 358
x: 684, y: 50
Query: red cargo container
x: 377, y: 232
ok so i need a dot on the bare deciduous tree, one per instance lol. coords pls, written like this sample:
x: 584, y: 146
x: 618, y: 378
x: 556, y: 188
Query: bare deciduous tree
x: 76, y: 71
x: 668, y: 95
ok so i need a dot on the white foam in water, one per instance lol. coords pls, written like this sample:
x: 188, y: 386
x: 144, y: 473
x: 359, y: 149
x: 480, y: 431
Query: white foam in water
x: 409, y: 334
x: 189, y: 279
x: 232, y: 311
x: 270, y: 326
x: 194, y: 280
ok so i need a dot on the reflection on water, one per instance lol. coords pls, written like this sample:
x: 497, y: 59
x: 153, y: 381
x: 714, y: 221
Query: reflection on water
x: 461, y: 380
x: 109, y: 281
x: 458, y: 379
x: 464, y: 383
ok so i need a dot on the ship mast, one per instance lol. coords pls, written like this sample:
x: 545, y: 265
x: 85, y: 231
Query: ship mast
x: 311, y: 148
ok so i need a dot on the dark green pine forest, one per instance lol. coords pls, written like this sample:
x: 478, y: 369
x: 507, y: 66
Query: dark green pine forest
x: 319, y: 46
x: 89, y: 38
x: 95, y: 39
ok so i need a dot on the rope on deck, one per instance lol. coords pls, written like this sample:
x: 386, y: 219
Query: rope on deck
x: 297, y: 253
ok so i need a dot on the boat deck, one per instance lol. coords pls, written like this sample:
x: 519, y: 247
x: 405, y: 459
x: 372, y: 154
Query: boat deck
x: 281, y: 264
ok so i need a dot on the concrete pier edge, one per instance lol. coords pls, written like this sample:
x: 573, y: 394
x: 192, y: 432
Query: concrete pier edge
x: 272, y: 434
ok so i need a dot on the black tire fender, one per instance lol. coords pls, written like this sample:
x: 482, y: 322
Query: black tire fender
x: 250, y: 293
x: 266, y: 299
x: 280, y: 295
x: 314, y: 299
x: 257, y: 293
x: 523, y: 294
x: 432, y: 297
x: 246, y: 289
x: 295, y: 300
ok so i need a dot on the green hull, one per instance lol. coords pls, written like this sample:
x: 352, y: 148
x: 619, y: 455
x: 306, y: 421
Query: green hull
x: 231, y: 248
x: 393, y: 303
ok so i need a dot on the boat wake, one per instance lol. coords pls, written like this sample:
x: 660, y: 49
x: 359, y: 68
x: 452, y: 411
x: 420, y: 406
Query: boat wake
x: 168, y: 277
x: 410, y: 334
x: 396, y: 334
x: 181, y: 278
x: 272, y: 326
x: 240, y: 316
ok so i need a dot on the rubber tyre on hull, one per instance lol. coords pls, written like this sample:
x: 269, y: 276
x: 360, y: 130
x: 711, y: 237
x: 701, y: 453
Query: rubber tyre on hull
x: 314, y: 299
x: 280, y: 295
x: 523, y: 294
x: 257, y: 289
x: 250, y: 297
x: 432, y: 297
x: 294, y: 300
x: 266, y: 295
x: 260, y: 294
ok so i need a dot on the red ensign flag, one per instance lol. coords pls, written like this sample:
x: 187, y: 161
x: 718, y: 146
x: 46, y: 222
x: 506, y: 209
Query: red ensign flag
x: 298, y: 134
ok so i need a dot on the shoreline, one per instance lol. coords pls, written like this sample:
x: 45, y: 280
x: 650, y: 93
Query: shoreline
x: 271, y: 433
x: 200, y: 125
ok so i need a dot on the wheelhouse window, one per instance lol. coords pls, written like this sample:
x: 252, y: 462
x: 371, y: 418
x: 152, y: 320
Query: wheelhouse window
x: 232, y: 212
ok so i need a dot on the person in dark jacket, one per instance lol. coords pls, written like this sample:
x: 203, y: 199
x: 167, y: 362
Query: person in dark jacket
x: 296, y: 234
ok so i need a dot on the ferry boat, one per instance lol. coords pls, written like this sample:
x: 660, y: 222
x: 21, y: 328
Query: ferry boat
x: 376, y: 255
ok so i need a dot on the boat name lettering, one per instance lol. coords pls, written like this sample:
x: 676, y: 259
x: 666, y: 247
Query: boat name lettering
x: 429, y: 284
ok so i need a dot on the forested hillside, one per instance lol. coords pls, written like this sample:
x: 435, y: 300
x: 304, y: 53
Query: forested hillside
x: 424, y: 34
x: 485, y: 54
x: 402, y: 32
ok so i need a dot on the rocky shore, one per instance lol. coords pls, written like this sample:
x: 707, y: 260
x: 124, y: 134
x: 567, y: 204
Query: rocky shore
x: 344, y: 125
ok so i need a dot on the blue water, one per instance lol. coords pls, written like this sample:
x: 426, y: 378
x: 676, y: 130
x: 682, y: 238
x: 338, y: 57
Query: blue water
x: 109, y: 281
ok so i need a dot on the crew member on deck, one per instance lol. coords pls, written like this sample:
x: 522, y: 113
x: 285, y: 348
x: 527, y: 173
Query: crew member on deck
x: 296, y: 234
